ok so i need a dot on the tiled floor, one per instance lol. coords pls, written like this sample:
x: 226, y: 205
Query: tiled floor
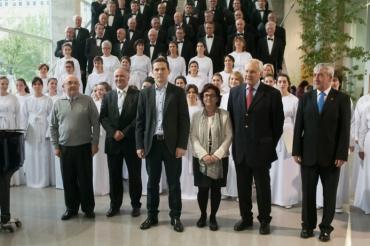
x: 40, y: 211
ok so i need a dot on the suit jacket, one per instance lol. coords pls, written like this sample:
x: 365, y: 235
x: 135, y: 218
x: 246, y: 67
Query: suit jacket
x: 137, y: 35
x: 159, y: 48
x: 193, y: 22
x: 112, y: 120
x: 216, y: 53
x: 257, y: 22
x: 82, y: 36
x: 92, y: 50
x: 176, y: 122
x: 189, y: 32
x: 276, y: 56
x: 139, y: 21
x: 127, y: 49
x: 279, y: 32
x: 117, y: 22
x: 320, y: 139
x: 258, y: 129
x: 96, y: 10
x: 187, y: 51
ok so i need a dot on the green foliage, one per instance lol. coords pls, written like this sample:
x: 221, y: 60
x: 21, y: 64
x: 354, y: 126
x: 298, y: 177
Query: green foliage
x: 323, y: 36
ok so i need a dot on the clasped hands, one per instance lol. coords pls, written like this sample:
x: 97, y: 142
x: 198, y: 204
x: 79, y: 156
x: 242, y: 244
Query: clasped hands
x: 118, y: 135
x: 338, y: 163
x: 210, y: 159
x: 179, y: 153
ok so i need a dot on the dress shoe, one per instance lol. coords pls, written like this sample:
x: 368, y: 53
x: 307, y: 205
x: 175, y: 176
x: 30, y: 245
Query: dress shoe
x: 112, y: 212
x: 90, y: 215
x: 264, y: 228
x: 324, y: 237
x: 149, y: 222
x: 306, y: 233
x: 242, y: 225
x: 202, y: 221
x: 177, y: 225
x: 68, y: 215
x: 135, y: 212
x: 213, y: 226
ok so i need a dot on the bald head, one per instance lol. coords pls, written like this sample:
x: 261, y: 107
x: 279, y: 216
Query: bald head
x: 121, y: 78
x: 71, y: 85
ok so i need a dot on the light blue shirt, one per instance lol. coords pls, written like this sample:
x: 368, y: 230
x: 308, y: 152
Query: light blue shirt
x: 160, y: 96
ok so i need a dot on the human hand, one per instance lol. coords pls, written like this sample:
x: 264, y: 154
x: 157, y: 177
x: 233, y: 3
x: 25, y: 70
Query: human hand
x: 118, y: 136
x: 140, y: 153
x: 361, y: 154
x: 298, y: 159
x: 94, y: 149
x: 180, y: 152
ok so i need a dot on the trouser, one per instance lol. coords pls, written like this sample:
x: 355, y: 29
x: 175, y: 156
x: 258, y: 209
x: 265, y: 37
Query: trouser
x: 203, y: 194
x: 329, y: 178
x: 77, y: 173
x: 261, y: 175
x: 115, y: 165
x: 5, y: 196
x: 158, y: 153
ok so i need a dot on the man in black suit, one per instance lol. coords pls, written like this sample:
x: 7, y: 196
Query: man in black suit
x: 93, y: 46
x: 97, y: 8
x: 115, y: 20
x: 108, y: 31
x: 146, y: 10
x: 132, y: 33
x: 179, y: 22
x: 215, y: 47
x: 122, y: 47
x: 69, y: 38
x: 153, y: 48
x: 247, y: 32
x: 123, y: 7
x: 259, y: 15
x: 165, y: 20
x: 270, y: 48
x: 135, y: 12
x: 257, y: 117
x: 162, y: 132
x: 320, y: 146
x: 162, y: 33
x: 185, y: 47
x: 279, y: 32
x: 81, y: 35
x: 209, y: 18
x: 190, y: 18
x: 118, y: 117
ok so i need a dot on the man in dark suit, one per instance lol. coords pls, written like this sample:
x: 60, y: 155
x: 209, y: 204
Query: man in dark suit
x: 162, y: 132
x: 153, y: 48
x: 320, y: 146
x: 109, y: 34
x: 215, y: 47
x: 132, y: 33
x: 115, y: 20
x: 190, y: 18
x: 81, y: 35
x: 270, y: 48
x: 209, y: 18
x: 118, y: 117
x: 165, y: 20
x: 259, y: 15
x: 69, y: 38
x: 97, y: 8
x: 279, y: 32
x: 122, y: 47
x: 257, y: 117
x: 247, y: 32
x: 185, y: 47
x: 162, y: 33
x: 135, y: 12
x: 93, y: 46
x: 179, y: 22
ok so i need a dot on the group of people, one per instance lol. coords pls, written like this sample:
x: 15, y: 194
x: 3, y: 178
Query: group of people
x: 187, y: 114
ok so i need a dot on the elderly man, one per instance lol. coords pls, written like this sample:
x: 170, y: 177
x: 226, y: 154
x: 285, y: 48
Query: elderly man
x: 320, y: 146
x: 118, y: 117
x: 154, y: 48
x: 69, y: 38
x: 75, y: 129
x: 257, y: 117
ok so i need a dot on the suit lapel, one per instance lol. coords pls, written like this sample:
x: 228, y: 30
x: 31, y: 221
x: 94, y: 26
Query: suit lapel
x: 258, y: 96
x: 167, y: 98
x: 152, y: 101
x: 242, y: 98
x: 329, y: 100
x: 115, y: 103
x: 126, y: 102
x: 314, y: 101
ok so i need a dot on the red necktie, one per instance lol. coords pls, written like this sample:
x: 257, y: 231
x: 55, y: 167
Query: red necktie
x: 249, y: 96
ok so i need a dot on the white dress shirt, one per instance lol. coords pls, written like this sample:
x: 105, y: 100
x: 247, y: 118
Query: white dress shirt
x: 121, y: 98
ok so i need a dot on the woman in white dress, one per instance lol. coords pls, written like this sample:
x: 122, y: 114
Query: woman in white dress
x: 284, y: 172
x: 60, y: 71
x: 205, y: 64
x: 100, y: 164
x: 218, y: 82
x: 35, y: 113
x: 23, y: 92
x: 141, y: 65
x: 98, y: 75
x: 176, y: 62
x: 228, y: 69
x: 188, y: 190
x: 69, y: 70
x: 55, y: 172
x: 44, y: 75
x: 231, y: 189
x: 362, y: 194
x: 110, y: 62
x: 181, y: 82
x: 240, y: 55
x: 194, y: 77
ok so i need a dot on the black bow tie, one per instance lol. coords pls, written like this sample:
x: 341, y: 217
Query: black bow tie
x: 131, y: 30
x: 122, y: 42
x: 271, y: 39
x: 210, y: 36
x: 240, y: 34
x: 134, y: 13
x: 152, y: 45
x: 180, y: 42
x: 187, y: 16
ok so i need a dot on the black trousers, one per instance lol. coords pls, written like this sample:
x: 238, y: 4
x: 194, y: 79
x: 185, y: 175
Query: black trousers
x: 5, y: 196
x: 261, y: 175
x: 329, y: 178
x: 159, y: 153
x: 77, y: 173
x: 115, y: 165
x: 202, y: 197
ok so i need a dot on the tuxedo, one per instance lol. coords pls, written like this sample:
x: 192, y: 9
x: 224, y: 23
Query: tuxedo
x: 166, y: 22
x: 139, y: 21
x: 147, y: 14
x: 96, y: 10
x: 162, y: 36
x: 187, y: 51
x: 256, y: 132
x: 92, y: 50
x: 123, y: 49
x: 112, y: 120
x: 279, y: 32
x: 257, y: 21
x: 216, y: 52
x: 192, y: 21
x: 320, y: 139
x: 189, y: 33
x: 275, y: 57
x: 135, y: 36
x: 170, y: 6
x: 162, y: 148
x: 219, y: 31
x: 117, y: 22
x: 159, y: 48
x: 82, y: 34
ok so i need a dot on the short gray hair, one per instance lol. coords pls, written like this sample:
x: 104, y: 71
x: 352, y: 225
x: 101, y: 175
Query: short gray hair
x: 106, y: 43
x: 329, y: 68
x: 258, y: 62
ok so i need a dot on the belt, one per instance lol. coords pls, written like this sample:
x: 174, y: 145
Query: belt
x: 159, y: 137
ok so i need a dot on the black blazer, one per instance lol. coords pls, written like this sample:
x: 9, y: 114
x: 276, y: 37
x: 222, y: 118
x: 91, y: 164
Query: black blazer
x: 216, y: 53
x: 127, y: 49
x: 320, y: 139
x: 92, y: 50
x: 82, y: 36
x: 257, y: 22
x: 176, y: 122
x: 276, y: 56
x: 112, y: 121
x: 159, y: 48
x: 256, y: 130
x: 96, y: 10
x: 139, y: 21
x: 187, y: 51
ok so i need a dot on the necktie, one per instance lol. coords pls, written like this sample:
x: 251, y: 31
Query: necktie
x: 321, y: 101
x: 249, y: 96
x: 271, y: 39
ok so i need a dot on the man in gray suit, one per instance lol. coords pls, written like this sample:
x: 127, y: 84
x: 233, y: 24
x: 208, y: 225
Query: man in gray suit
x: 162, y: 132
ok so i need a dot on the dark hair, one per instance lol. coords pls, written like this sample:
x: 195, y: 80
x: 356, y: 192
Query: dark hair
x: 4, y: 78
x: 192, y: 86
x: 208, y: 87
x: 66, y: 45
x: 98, y: 59
x: 286, y: 76
x: 106, y: 86
x: 230, y: 57
x: 139, y: 41
x: 177, y: 47
x: 218, y: 75
x: 303, y: 84
x: 149, y: 79
x: 161, y: 59
x: 338, y: 74
x: 50, y: 79
x: 26, y: 89
x: 126, y: 58
x: 204, y: 45
x: 35, y: 80
x: 71, y: 63
x: 43, y: 65
x: 181, y: 77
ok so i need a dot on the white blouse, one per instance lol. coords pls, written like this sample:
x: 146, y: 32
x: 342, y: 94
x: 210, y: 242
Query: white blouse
x: 199, y: 81
x: 110, y: 64
x: 95, y: 78
x: 177, y: 67
x: 205, y: 66
x: 241, y: 58
x: 141, y: 66
x: 9, y: 112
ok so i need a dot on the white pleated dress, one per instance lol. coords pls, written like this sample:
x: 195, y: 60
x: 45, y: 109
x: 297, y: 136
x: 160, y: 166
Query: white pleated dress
x: 284, y: 172
x: 177, y: 68
x: 37, y: 166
